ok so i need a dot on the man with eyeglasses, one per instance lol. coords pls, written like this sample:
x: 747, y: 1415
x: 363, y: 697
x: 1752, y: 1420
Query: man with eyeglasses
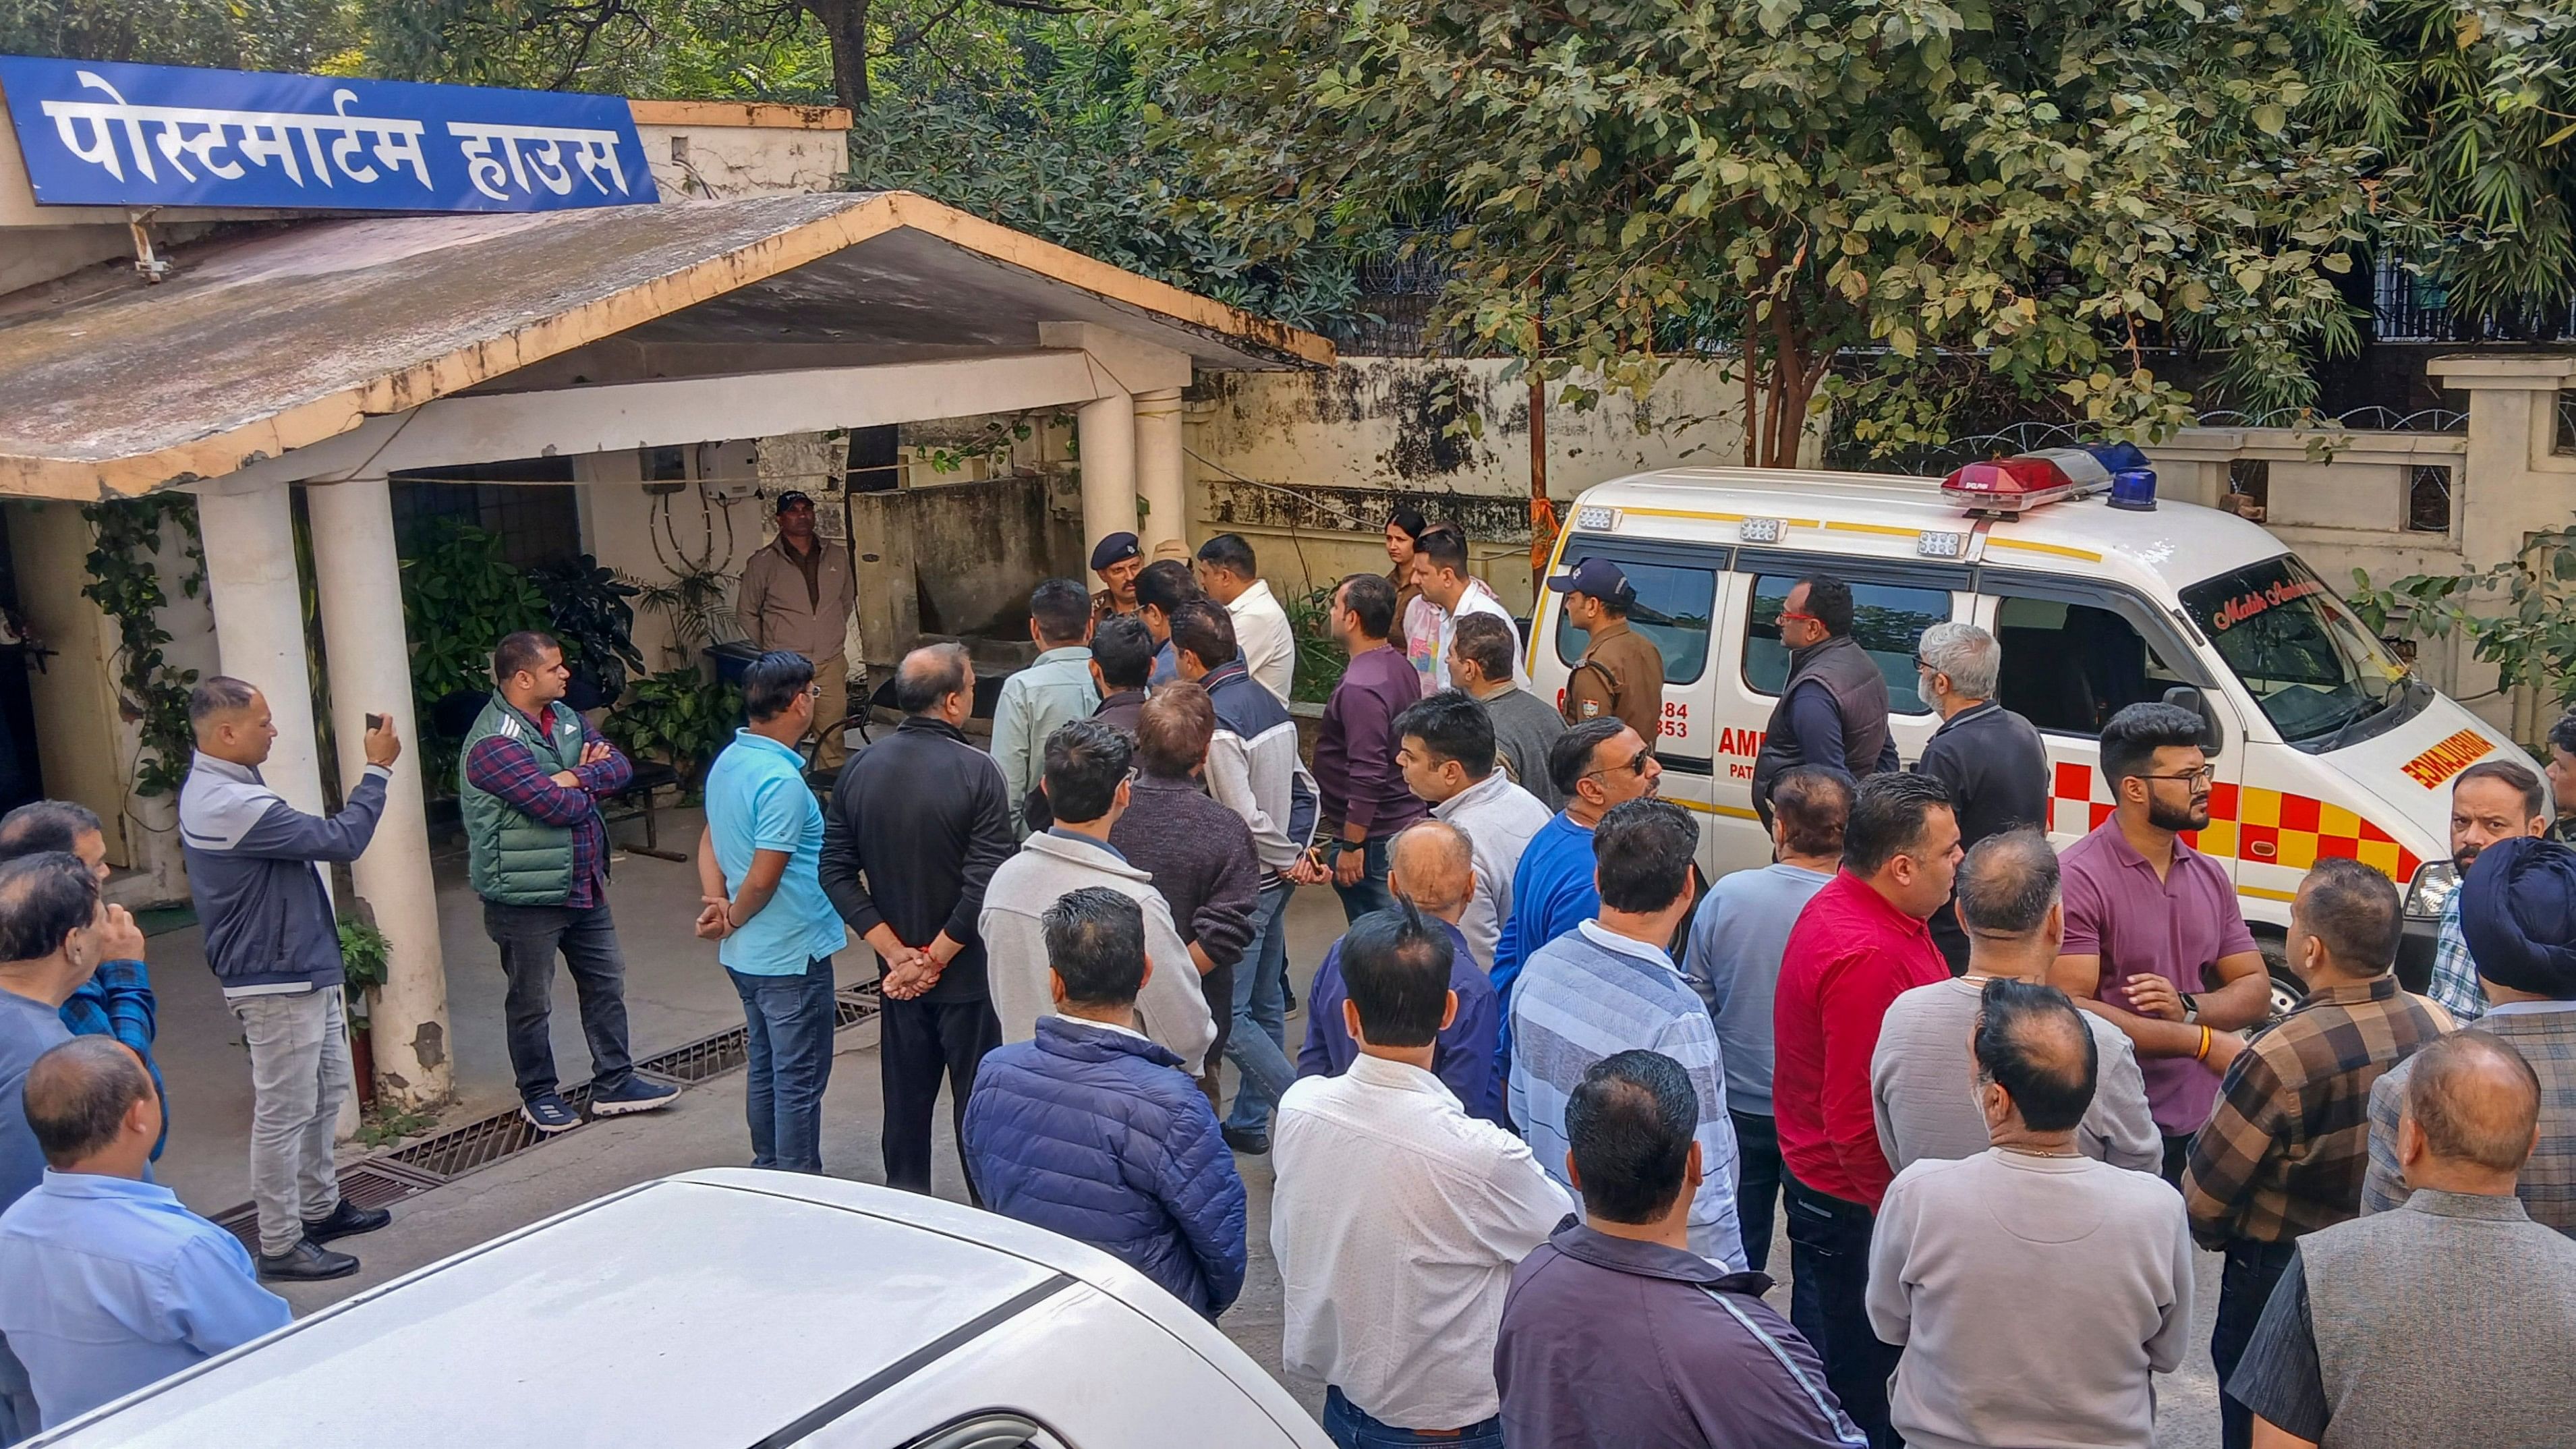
x: 2154, y: 941
x: 1833, y: 706
x: 1597, y: 764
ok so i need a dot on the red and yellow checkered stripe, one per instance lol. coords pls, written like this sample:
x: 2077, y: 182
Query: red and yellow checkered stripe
x: 2261, y: 827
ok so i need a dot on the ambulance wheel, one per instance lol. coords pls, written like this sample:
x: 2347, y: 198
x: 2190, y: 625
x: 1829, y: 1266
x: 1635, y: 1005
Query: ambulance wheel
x: 2287, y: 990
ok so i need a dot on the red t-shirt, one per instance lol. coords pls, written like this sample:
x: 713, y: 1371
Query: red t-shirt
x: 1850, y: 954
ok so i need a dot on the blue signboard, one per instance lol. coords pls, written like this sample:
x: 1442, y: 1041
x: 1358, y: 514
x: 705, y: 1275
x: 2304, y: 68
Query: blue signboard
x: 99, y: 133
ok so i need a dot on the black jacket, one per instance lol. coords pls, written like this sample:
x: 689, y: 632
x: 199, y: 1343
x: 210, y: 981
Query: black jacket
x: 1997, y: 771
x: 917, y: 823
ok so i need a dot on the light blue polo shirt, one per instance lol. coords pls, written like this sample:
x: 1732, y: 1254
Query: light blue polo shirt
x: 757, y: 799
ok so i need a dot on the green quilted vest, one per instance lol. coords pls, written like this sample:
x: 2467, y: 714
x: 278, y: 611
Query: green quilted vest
x: 513, y: 860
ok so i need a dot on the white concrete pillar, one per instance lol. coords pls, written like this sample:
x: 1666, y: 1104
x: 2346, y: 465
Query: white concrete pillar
x: 1159, y: 468
x: 359, y: 586
x: 258, y: 603
x: 1106, y: 433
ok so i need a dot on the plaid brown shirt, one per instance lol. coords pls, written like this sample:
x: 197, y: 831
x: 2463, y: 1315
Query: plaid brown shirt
x: 2285, y: 1150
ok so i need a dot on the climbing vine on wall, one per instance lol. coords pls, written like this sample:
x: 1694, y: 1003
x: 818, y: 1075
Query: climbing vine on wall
x: 125, y: 582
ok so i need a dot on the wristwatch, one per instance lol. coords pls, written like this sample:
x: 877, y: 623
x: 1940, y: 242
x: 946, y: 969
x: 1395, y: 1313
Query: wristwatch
x: 2190, y: 1009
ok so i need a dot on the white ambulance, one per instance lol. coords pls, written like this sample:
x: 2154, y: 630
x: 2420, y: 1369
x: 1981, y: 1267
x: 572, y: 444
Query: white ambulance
x: 2325, y: 744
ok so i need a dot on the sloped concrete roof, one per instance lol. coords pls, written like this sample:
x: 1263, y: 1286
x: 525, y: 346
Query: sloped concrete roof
x: 275, y: 340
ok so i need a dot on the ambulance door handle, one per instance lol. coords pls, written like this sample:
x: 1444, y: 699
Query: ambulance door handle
x: 2263, y: 848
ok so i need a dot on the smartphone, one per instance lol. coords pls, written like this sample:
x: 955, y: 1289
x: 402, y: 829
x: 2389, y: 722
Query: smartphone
x: 375, y: 722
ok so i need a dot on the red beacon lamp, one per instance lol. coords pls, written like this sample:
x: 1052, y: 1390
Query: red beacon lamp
x: 2008, y: 487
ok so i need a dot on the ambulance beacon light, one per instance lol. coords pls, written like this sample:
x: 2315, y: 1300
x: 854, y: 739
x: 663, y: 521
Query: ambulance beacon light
x: 2005, y: 487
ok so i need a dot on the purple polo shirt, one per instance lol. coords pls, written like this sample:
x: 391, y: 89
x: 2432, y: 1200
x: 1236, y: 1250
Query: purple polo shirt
x: 2174, y: 928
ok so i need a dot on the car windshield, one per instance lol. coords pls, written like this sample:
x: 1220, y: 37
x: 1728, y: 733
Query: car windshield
x: 2299, y: 651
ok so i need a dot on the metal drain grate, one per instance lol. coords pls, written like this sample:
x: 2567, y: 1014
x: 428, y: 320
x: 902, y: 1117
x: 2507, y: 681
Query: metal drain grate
x: 373, y: 1183
x: 407, y: 1171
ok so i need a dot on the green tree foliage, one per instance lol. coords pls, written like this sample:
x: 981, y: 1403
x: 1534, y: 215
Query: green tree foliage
x: 1041, y: 125
x: 2471, y: 105
x: 1000, y: 107
x: 2054, y: 188
x: 667, y: 49
x: 300, y: 35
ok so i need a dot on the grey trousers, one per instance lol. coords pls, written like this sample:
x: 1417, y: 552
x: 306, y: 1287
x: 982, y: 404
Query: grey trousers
x: 299, y: 1075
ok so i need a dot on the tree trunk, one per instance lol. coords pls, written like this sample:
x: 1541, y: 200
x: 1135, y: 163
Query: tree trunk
x: 845, y: 24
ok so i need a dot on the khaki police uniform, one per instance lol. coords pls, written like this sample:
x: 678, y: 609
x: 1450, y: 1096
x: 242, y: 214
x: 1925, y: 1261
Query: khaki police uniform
x: 1104, y: 607
x: 1622, y: 674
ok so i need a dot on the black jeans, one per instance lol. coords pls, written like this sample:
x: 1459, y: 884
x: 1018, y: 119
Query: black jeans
x: 2244, y: 1286
x: 1829, y: 1303
x: 918, y: 1043
x: 2177, y: 1157
x: 529, y: 938
x: 1759, y: 1174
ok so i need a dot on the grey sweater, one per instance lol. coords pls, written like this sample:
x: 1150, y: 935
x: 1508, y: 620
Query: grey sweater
x: 1524, y: 727
x: 2034, y: 1297
x: 2403, y: 1329
x: 1920, y: 1092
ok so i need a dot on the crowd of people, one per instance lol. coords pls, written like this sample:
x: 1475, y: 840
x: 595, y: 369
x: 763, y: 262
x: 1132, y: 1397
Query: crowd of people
x: 1554, y: 1088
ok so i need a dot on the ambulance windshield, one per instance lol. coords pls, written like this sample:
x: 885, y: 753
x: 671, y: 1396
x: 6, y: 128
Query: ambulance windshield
x: 2320, y: 676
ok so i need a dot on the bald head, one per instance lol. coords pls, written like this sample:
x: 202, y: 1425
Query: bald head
x: 81, y: 1098
x: 2476, y: 1102
x: 2032, y: 1042
x: 928, y: 676
x: 1432, y: 865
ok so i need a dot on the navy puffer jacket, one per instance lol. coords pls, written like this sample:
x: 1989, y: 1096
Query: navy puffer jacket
x: 1097, y: 1135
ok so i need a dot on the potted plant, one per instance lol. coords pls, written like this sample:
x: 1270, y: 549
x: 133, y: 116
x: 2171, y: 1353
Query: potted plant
x: 364, y: 958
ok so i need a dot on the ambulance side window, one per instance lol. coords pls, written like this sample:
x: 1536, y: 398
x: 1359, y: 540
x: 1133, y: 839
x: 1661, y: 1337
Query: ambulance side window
x: 1887, y: 619
x: 2068, y: 668
x: 1675, y: 605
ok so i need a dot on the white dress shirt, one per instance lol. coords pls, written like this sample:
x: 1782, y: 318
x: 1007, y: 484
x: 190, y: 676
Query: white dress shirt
x: 1499, y: 818
x: 1397, y: 1221
x: 1261, y: 631
x: 1478, y: 599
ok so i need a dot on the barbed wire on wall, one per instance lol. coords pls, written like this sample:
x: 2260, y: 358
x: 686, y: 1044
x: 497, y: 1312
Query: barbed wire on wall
x: 1939, y: 458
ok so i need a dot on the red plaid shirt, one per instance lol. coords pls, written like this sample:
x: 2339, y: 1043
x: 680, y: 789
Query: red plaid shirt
x: 509, y: 769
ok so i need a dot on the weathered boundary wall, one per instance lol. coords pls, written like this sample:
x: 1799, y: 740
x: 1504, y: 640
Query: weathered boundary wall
x: 2339, y: 498
x: 1307, y: 465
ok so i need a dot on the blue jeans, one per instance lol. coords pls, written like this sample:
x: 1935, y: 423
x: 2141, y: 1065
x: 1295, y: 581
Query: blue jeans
x: 1258, y: 1043
x: 791, y: 1020
x: 2244, y: 1287
x: 1346, y: 1425
x: 1829, y: 1303
x: 1371, y: 893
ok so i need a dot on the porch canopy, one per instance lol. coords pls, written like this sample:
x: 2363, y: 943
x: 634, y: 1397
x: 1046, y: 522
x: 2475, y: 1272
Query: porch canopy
x: 334, y: 353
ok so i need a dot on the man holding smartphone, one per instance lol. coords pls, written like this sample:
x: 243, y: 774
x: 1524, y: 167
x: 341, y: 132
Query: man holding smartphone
x: 537, y: 851
x: 2154, y: 941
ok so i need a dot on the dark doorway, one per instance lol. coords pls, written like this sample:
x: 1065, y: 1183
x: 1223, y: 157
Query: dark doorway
x: 21, y: 780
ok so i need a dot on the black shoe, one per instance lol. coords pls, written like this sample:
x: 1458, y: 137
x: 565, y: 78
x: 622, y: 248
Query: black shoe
x: 346, y: 1221
x: 1250, y: 1144
x: 306, y: 1262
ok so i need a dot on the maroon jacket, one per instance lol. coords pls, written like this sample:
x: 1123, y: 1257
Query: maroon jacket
x: 1607, y: 1343
x: 1355, y: 765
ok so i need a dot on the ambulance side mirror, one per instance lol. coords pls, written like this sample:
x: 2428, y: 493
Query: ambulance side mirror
x: 2212, y: 739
